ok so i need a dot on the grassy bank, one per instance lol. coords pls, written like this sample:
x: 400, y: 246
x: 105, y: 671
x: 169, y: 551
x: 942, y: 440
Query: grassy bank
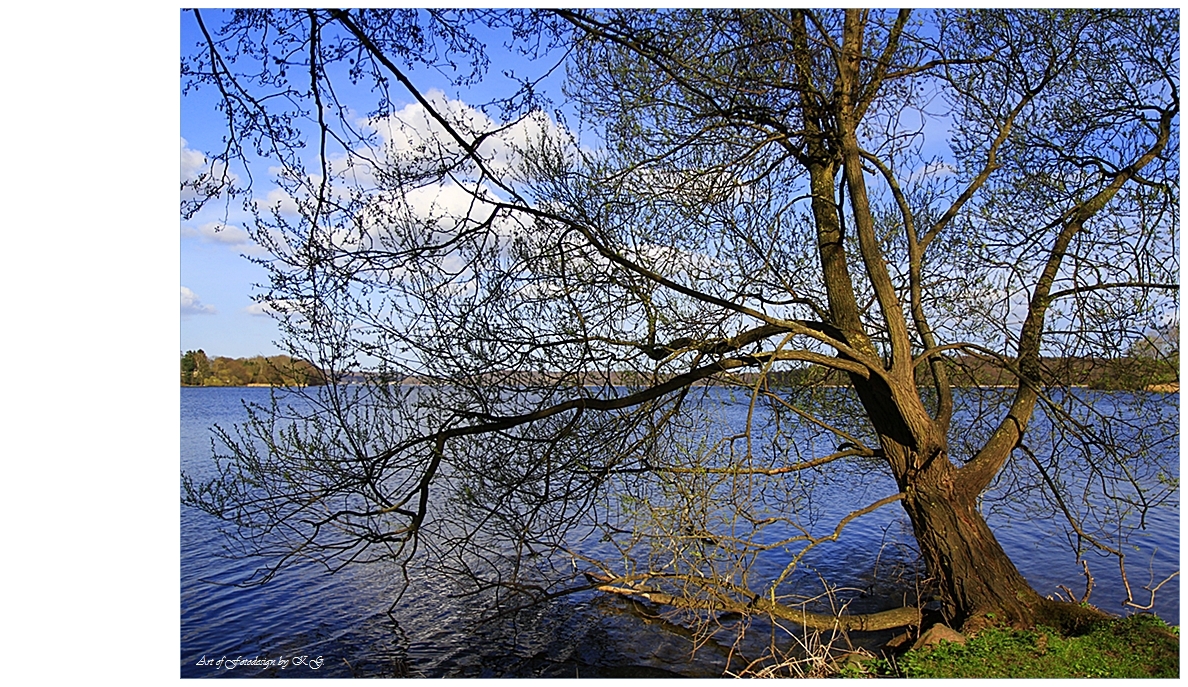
x: 1140, y: 646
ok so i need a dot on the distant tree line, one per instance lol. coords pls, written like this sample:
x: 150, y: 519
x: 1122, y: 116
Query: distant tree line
x: 276, y: 370
x: 1129, y: 372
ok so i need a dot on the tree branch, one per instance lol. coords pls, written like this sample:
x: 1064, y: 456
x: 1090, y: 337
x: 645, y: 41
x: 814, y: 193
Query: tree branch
x: 979, y: 472
x: 633, y: 586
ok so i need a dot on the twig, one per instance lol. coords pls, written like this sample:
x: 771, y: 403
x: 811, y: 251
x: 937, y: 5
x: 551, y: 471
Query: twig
x: 1088, y: 586
x: 1129, y: 601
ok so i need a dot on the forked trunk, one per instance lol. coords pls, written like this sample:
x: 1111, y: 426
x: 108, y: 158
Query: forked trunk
x: 976, y: 579
x: 978, y: 582
x: 979, y: 585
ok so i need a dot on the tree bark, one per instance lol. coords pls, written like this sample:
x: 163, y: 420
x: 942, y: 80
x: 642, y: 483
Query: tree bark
x: 979, y: 585
x: 977, y: 579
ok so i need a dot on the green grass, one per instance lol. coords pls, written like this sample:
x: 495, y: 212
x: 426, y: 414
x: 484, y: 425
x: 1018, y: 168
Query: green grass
x: 1135, y: 647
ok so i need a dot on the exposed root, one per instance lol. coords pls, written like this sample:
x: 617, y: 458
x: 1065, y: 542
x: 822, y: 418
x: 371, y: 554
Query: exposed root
x: 1071, y: 618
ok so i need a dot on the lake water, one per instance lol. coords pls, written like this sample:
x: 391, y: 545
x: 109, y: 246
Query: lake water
x: 318, y: 624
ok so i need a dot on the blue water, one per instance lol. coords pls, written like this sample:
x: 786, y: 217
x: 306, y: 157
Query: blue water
x: 340, y: 623
x: 311, y: 623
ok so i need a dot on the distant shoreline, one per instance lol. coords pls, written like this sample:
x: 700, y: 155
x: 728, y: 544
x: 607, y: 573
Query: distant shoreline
x: 198, y: 369
x: 246, y: 386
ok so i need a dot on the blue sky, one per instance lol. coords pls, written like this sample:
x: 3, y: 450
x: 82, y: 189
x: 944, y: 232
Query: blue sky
x: 217, y: 279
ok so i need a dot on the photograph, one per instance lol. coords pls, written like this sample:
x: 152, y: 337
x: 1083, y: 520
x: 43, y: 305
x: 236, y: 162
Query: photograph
x: 678, y: 343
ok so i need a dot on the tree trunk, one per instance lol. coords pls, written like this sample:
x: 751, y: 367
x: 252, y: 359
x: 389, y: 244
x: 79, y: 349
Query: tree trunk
x: 979, y: 585
x: 978, y: 582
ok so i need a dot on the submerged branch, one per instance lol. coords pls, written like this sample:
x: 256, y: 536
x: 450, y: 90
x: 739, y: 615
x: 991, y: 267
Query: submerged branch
x: 869, y: 622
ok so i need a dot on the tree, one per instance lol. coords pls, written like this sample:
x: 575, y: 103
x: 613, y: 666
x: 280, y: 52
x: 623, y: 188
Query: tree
x: 188, y: 365
x: 539, y: 324
x: 194, y: 368
x: 277, y: 370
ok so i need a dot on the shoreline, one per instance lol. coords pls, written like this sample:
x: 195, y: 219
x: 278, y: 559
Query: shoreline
x: 247, y: 386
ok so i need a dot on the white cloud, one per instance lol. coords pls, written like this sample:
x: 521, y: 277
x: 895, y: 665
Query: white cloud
x: 277, y: 307
x: 259, y: 310
x: 217, y: 232
x: 193, y: 162
x: 279, y: 199
x: 192, y: 305
x: 414, y: 138
x: 675, y: 262
x: 199, y: 176
x: 448, y: 201
x: 404, y: 212
x: 935, y: 169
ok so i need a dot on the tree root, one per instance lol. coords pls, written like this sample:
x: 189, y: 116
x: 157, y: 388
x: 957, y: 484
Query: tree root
x: 1070, y: 618
x: 885, y: 620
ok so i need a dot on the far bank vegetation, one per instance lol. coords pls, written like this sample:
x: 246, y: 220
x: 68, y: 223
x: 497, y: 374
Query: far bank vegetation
x: 1130, y: 372
x: 274, y: 370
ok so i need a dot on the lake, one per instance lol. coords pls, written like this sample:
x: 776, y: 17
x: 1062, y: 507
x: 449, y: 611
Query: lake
x: 310, y: 623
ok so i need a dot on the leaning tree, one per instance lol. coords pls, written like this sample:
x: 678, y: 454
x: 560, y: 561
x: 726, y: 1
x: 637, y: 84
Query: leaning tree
x: 888, y: 242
